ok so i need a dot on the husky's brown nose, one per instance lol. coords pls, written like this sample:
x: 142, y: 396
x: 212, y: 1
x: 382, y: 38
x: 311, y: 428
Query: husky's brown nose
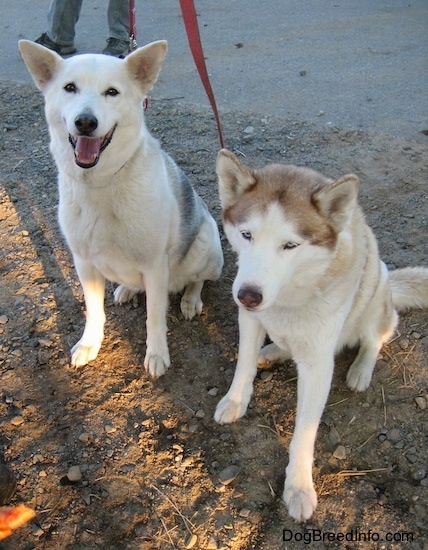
x: 86, y: 123
x: 250, y: 297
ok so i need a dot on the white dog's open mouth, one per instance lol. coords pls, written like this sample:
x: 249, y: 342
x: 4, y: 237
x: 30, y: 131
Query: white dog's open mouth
x: 87, y: 150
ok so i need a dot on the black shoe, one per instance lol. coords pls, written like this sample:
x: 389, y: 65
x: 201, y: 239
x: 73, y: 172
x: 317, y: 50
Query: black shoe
x: 117, y: 47
x: 44, y: 40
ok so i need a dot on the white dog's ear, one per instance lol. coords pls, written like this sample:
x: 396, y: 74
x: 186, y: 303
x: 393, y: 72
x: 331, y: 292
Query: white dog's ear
x: 144, y: 64
x: 234, y: 178
x: 41, y: 62
x: 336, y: 200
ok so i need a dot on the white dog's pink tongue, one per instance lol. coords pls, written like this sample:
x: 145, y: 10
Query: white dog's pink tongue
x: 87, y: 149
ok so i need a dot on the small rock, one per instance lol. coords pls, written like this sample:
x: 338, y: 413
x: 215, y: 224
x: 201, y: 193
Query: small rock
x: 421, y: 402
x: 200, y: 413
x: 334, y: 436
x: 403, y: 343
x: 3, y: 319
x: 17, y: 420
x: 84, y: 437
x: 340, y: 452
x: 74, y: 473
x: 109, y: 429
x: 211, y: 544
x: 229, y: 473
x: 394, y: 435
x: 191, y: 540
x: 213, y: 392
x: 418, y: 475
x: 244, y: 513
x: 45, y: 343
x: 416, y: 335
x: 249, y: 130
x: 266, y: 375
x: 412, y: 458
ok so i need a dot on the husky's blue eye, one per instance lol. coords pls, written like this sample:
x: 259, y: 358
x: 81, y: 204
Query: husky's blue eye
x: 70, y: 88
x: 112, y: 92
x: 246, y: 235
x: 289, y: 246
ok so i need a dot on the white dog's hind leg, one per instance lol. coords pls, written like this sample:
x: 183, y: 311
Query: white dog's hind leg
x: 123, y: 294
x: 378, y: 325
x: 93, y: 284
x: 272, y: 354
x: 234, y: 404
x: 156, y: 283
x: 314, y: 380
x: 191, y: 303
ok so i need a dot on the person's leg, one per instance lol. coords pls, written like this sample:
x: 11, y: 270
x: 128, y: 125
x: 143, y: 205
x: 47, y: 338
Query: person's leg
x: 118, y: 24
x: 61, y: 21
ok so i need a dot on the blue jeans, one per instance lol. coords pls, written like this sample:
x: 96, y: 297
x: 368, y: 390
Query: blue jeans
x: 64, y: 14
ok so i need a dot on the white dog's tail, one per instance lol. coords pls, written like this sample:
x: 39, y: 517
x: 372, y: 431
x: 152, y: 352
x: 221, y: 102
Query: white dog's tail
x: 409, y: 288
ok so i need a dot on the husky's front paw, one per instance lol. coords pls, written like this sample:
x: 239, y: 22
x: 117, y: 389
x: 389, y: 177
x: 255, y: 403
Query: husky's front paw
x: 190, y: 306
x: 358, y: 377
x: 301, y: 501
x: 191, y: 303
x: 155, y: 364
x: 228, y: 411
x: 82, y: 354
x: 271, y: 354
x: 123, y: 294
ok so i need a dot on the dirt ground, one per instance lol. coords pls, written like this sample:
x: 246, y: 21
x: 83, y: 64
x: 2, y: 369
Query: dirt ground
x: 150, y: 454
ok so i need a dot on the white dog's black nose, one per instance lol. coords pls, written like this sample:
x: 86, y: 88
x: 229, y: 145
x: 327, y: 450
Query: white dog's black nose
x: 250, y: 297
x: 86, y: 123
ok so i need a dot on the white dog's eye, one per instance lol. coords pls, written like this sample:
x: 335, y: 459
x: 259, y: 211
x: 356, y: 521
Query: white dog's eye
x: 70, y: 88
x: 246, y: 235
x: 111, y: 92
x: 290, y: 245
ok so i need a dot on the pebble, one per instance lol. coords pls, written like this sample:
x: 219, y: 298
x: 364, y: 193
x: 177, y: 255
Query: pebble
x: 45, y: 343
x: 109, y: 429
x: 3, y: 319
x: 213, y: 392
x: 17, y: 420
x: 266, y: 375
x: 228, y: 474
x: 421, y: 402
x: 403, y: 343
x: 340, y: 452
x: 74, y: 473
x: 200, y: 413
x: 394, y: 435
x: 191, y: 540
x: 244, y: 513
x: 84, y: 437
x: 334, y: 436
x: 418, y: 475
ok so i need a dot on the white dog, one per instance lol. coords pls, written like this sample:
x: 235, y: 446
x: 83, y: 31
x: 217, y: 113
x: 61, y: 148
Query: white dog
x: 127, y: 211
x: 309, y: 276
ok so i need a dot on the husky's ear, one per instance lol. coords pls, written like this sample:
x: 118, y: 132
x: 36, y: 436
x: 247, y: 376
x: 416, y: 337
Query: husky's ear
x: 41, y: 62
x: 144, y: 64
x: 336, y: 201
x: 234, y: 178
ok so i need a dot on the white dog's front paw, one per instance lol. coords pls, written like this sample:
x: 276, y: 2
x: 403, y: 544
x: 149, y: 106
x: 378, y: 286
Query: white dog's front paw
x: 228, y: 411
x: 190, y: 306
x: 123, y: 294
x: 271, y: 354
x: 156, y: 364
x: 82, y: 354
x: 301, y: 501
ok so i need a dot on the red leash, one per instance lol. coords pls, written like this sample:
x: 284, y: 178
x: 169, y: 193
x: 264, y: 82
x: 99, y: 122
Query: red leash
x: 193, y: 36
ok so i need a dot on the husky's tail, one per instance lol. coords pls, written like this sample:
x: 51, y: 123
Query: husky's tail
x: 409, y: 288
